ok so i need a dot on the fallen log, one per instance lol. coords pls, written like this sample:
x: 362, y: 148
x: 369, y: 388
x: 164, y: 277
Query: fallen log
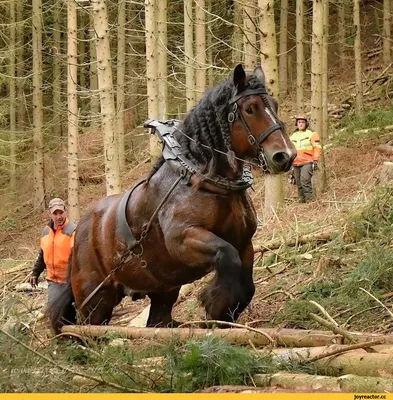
x: 283, y: 337
x: 345, y: 383
x: 277, y: 243
x: 357, y: 362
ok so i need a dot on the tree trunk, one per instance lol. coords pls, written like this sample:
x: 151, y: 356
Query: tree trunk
x: 237, y: 35
x: 210, y: 47
x: 162, y: 64
x: 250, y: 37
x: 316, y: 66
x: 283, y: 57
x: 358, y: 57
x: 341, y: 4
x: 20, y: 37
x: 325, y: 68
x: 274, y: 186
x: 38, y: 117
x: 321, y: 383
x: 200, y: 45
x: 105, y: 85
x: 300, y: 56
x: 81, y: 50
x: 387, y: 18
x: 72, y: 101
x: 56, y: 85
x: 12, y: 94
x: 94, y: 96
x: 189, y: 54
x: 120, y: 81
x: 151, y: 73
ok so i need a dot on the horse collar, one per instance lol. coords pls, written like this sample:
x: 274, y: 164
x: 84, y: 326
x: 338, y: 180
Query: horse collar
x: 172, y: 151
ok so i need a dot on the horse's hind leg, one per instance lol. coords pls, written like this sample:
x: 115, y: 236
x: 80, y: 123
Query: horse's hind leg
x: 161, y: 308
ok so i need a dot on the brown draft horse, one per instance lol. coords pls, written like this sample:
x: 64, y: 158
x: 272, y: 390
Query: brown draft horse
x: 191, y: 216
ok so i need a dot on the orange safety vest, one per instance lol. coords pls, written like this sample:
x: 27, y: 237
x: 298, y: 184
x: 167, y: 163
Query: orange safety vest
x: 56, y: 246
x: 308, y: 146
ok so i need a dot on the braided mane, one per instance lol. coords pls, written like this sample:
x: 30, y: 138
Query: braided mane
x: 207, y: 123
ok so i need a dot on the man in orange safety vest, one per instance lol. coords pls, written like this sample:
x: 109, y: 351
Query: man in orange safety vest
x: 308, y: 147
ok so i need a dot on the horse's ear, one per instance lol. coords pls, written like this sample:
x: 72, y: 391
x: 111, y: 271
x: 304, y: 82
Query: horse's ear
x: 239, y: 78
x: 258, y: 72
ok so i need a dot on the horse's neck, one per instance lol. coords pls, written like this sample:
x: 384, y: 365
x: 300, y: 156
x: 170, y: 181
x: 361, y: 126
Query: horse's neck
x: 225, y: 170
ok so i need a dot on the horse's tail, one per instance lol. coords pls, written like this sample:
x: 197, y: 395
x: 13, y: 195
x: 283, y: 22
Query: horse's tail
x: 61, y: 308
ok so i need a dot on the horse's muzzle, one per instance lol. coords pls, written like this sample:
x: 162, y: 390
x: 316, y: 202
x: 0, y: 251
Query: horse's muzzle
x: 281, y: 161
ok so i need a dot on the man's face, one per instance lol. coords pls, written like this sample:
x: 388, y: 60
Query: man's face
x: 301, y: 124
x: 58, y: 217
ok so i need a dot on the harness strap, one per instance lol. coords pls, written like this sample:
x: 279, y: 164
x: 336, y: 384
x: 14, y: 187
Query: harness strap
x: 121, y: 216
x: 250, y: 92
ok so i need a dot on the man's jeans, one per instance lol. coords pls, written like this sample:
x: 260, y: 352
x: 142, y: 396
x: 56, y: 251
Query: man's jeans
x: 303, y: 176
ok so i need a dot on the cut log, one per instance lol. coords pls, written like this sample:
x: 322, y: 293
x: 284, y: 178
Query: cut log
x: 357, y: 362
x: 386, y: 148
x: 283, y: 337
x: 141, y: 319
x: 386, y: 174
x: 345, y: 383
x: 276, y: 244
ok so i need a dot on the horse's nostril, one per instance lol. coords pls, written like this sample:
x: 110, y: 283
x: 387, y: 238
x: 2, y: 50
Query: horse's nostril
x: 280, y: 158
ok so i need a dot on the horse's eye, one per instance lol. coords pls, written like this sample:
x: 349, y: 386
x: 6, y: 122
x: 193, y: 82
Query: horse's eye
x: 249, y: 110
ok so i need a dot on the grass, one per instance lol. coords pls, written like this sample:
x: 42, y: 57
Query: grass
x: 373, y: 119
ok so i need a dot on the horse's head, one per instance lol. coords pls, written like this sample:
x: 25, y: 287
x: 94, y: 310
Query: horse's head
x: 257, y: 132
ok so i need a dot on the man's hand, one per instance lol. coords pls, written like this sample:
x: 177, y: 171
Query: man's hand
x: 314, y: 165
x: 33, y: 281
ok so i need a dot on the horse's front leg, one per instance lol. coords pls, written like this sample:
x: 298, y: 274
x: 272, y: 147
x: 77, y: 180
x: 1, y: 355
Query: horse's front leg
x: 232, y: 288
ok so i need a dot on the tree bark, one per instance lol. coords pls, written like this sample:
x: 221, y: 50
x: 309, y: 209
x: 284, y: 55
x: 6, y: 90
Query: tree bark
x: 387, y: 21
x: 316, y: 66
x: 151, y: 73
x: 38, y: 117
x: 72, y: 101
x: 341, y: 4
x: 300, y: 56
x: 200, y: 44
x: 120, y: 81
x: 12, y: 94
x: 325, y: 68
x: 56, y: 85
x: 312, y: 383
x: 358, y: 58
x: 105, y: 85
x: 250, y: 38
x: 277, y: 243
x: 274, y: 186
x: 94, y: 96
x: 237, y: 35
x: 283, y: 57
x: 162, y: 65
x: 20, y: 37
x: 286, y: 337
x: 189, y: 54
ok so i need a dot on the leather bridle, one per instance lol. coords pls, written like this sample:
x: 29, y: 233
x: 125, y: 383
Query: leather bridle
x: 255, y: 141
